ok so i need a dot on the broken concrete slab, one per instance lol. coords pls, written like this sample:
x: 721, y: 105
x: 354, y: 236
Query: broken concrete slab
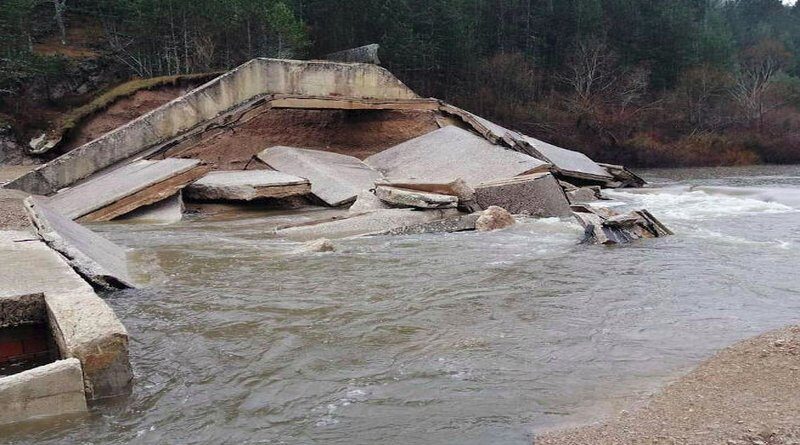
x: 370, y: 223
x: 126, y: 189
x: 494, y: 218
x: 366, y: 201
x: 462, y: 223
x: 607, y: 227
x: 246, y: 185
x: 361, y: 54
x: 84, y: 326
x: 401, y: 197
x: 567, y: 162
x: 537, y: 195
x: 255, y: 79
x: 450, y: 153
x: 456, y: 187
x: 54, y: 389
x: 623, y: 178
x: 167, y: 211
x: 98, y: 260
x: 336, y: 179
x: 579, y: 195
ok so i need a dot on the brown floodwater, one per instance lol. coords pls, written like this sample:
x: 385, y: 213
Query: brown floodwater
x: 439, y: 339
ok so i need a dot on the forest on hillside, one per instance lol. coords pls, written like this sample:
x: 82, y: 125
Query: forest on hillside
x: 641, y: 82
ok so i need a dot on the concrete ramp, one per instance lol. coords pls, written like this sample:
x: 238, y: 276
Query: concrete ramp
x: 449, y: 153
x: 255, y: 79
x: 98, y: 260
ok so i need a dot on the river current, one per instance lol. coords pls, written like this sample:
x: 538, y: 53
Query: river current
x: 444, y: 338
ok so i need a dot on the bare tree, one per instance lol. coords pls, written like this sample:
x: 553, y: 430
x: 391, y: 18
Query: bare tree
x: 757, y: 69
x: 60, y: 7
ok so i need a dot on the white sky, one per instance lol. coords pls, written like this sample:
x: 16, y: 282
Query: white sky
x: 789, y: 2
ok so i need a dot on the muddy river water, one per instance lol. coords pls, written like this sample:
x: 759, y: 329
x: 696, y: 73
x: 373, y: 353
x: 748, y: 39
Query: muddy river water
x: 440, y: 339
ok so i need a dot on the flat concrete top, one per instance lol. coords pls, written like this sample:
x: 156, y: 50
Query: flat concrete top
x: 335, y: 178
x: 570, y: 163
x: 449, y: 153
x: 115, y: 185
x: 254, y: 178
x: 30, y: 267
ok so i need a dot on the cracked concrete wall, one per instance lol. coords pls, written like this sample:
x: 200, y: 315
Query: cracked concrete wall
x: 256, y: 78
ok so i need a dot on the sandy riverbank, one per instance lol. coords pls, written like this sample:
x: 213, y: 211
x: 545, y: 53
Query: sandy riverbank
x: 748, y: 393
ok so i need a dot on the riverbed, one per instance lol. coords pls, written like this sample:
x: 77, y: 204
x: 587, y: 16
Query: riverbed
x: 465, y: 338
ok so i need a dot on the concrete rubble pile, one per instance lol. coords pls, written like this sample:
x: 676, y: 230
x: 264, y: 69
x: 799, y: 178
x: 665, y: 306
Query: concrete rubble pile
x: 462, y: 173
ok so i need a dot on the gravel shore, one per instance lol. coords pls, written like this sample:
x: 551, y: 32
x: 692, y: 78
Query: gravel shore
x: 748, y: 394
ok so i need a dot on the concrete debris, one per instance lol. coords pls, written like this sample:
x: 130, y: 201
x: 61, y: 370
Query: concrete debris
x: 537, y: 195
x: 623, y: 178
x: 582, y: 195
x: 366, y: 201
x: 168, y: 211
x: 463, y: 223
x: 567, y: 162
x: 54, y: 389
x: 321, y: 245
x: 126, y: 189
x: 84, y: 326
x: 449, y: 153
x: 604, y: 226
x: 494, y: 218
x: 246, y: 186
x: 336, y: 179
x: 371, y: 223
x: 362, y: 54
x: 237, y: 88
x: 22, y: 309
x: 98, y: 260
x: 401, y: 197
x: 456, y: 187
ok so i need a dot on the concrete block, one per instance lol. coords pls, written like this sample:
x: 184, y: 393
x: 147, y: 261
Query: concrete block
x: 246, y: 186
x: 537, y: 195
x: 400, y: 197
x: 336, y: 179
x: 450, y: 153
x: 50, y: 390
x: 22, y: 309
x: 366, y: 201
x: 494, y: 218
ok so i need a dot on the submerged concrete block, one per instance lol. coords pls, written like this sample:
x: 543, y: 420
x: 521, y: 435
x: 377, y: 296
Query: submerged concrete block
x: 537, y: 195
x: 51, y: 390
x: 335, y: 178
x: 607, y: 227
x: 400, y: 197
x: 370, y: 223
x: 461, y: 223
x: 450, y: 153
x: 256, y: 78
x: 101, y: 262
x: 247, y: 185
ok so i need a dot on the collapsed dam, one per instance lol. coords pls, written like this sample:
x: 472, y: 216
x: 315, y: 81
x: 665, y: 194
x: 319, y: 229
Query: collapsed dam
x: 346, y: 140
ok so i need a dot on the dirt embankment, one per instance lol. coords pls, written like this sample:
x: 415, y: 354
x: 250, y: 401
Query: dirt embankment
x: 748, y: 394
x: 355, y: 133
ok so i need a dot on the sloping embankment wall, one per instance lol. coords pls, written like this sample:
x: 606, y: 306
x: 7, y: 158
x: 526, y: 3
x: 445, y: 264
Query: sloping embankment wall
x: 256, y: 78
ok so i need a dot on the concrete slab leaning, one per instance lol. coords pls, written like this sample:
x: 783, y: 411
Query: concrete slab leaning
x: 335, y: 178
